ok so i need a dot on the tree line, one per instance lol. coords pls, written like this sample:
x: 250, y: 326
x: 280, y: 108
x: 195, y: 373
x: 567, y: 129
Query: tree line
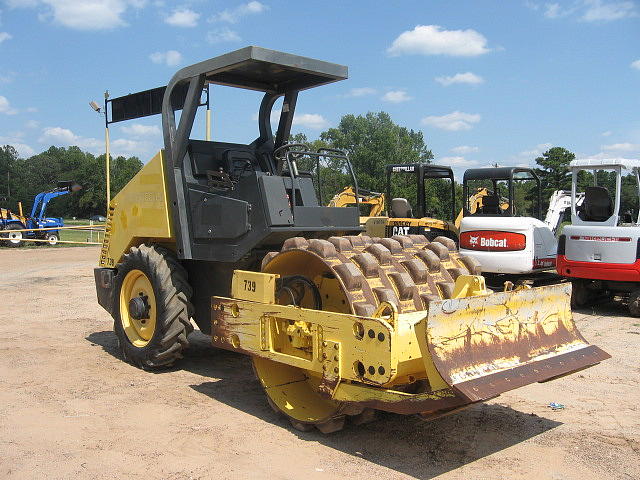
x: 372, y: 141
x: 21, y: 179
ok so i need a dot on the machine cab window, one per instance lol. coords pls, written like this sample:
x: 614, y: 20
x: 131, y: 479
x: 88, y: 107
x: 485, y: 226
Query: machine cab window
x: 502, y: 191
x: 419, y: 190
x: 610, y: 194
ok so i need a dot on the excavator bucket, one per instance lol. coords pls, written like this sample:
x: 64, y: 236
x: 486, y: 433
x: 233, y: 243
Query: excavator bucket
x: 485, y: 345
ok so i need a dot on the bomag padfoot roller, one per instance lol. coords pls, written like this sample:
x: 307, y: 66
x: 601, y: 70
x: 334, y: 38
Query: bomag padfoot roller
x: 338, y: 325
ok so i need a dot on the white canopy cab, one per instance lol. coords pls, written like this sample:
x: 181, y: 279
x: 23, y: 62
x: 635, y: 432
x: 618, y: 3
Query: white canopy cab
x: 601, y: 180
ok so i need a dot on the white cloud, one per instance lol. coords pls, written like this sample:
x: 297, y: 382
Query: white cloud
x: 60, y: 134
x: 464, y: 149
x: 456, y: 161
x: 222, y: 35
x: 454, y: 121
x: 7, y: 77
x: 5, y: 36
x: 535, y: 152
x: 598, y: 156
x: 361, y: 92
x: 592, y: 10
x: 607, y: 133
x: 127, y: 147
x: 140, y: 130
x: 64, y: 136
x: 5, y: 106
x: 554, y: 10
x: 314, y: 121
x: 24, y: 150
x: 183, y: 17
x: 82, y: 14
x: 433, y: 40
x: 21, y: 3
x: 621, y: 147
x: 636, y: 64
x: 601, y: 11
x: 171, y: 58
x: 467, y: 77
x: 396, y: 96
x: 233, y: 15
x: 32, y: 124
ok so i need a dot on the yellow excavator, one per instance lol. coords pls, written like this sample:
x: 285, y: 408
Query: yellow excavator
x: 401, y: 220
x: 373, y: 202
x: 338, y: 325
x: 476, y: 202
x: 413, y: 217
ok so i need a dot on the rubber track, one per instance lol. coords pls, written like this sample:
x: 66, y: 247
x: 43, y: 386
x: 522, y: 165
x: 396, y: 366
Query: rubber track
x: 406, y: 270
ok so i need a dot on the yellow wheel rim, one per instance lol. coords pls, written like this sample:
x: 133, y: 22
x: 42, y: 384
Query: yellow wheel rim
x: 139, y: 331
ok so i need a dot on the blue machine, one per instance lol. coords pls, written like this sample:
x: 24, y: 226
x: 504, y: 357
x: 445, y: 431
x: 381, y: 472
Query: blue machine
x: 37, y: 220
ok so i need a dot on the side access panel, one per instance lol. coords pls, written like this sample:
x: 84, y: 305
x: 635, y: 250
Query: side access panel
x: 138, y: 211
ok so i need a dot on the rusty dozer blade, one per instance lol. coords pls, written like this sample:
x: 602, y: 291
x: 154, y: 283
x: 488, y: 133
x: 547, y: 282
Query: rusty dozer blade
x: 486, y: 345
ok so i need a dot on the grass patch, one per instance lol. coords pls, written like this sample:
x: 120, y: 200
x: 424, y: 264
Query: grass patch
x: 68, y: 235
x: 79, y: 236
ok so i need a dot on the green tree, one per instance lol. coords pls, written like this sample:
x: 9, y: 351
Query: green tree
x: 373, y: 141
x: 41, y: 172
x: 554, y: 172
x: 8, y: 159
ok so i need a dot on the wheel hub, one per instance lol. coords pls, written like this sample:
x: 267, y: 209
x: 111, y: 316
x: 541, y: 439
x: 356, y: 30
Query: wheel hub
x: 139, y: 307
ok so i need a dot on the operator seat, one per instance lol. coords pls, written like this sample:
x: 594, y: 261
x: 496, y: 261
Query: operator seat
x: 491, y: 205
x: 400, y: 208
x: 597, y: 205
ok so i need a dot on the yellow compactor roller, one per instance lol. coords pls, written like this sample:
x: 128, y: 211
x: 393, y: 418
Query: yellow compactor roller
x: 232, y: 236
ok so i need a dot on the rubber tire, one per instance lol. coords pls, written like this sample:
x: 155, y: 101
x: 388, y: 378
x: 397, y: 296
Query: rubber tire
x: 51, y: 235
x: 173, y: 302
x: 581, y: 296
x: 634, y: 303
x: 13, y: 226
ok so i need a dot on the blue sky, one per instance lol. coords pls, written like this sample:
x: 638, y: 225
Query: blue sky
x: 485, y: 81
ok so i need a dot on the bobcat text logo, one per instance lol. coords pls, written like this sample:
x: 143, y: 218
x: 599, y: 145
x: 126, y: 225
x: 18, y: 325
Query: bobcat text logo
x: 492, y: 242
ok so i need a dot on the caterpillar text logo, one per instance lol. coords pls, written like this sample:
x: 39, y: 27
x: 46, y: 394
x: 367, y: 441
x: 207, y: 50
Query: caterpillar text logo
x: 400, y: 230
x: 404, y: 168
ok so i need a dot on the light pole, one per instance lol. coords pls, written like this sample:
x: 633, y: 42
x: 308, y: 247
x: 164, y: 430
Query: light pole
x: 98, y: 109
x: 207, y: 117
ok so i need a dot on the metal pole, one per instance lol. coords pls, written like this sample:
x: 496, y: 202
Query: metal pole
x: 108, y: 168
x: 208, y: 127
x: 208, y: 119
x: 107, y: 153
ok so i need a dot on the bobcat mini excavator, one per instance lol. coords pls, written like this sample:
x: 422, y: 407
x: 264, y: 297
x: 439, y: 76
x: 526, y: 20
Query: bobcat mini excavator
x: 232, y: 236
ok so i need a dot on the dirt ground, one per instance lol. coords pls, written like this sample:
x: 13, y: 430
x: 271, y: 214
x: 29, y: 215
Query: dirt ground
x: 70, y: 408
